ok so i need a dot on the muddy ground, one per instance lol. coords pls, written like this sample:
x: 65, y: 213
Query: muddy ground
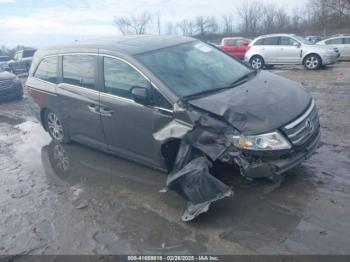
x: 68, y: 199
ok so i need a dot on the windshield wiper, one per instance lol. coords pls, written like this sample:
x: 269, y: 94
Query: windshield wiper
x: 237, y: 82
x: 204, y: 93
x: 244, y: 78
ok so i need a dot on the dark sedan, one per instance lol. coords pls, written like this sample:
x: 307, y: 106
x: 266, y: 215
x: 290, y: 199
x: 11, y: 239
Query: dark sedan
x: 10, y: 86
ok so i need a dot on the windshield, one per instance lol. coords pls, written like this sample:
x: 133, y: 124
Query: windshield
x: 303, y: 40
x: 193, y: 68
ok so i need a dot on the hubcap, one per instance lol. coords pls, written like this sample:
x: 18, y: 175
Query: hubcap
x: 256, y: 63
x: 55, y: 126
x: 312, y: 62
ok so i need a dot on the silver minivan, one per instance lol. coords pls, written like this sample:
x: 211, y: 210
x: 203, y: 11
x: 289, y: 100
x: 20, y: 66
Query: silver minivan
x: 288, y: 49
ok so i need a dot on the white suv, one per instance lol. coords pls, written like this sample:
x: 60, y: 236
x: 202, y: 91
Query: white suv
x: 283, y: 49
x: 342, y: 42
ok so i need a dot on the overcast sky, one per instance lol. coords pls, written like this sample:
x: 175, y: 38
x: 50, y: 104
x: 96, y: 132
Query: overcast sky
x: 47, y: 22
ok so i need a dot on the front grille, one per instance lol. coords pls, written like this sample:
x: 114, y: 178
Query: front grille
x: 300, y: 130
x: 5, y: 84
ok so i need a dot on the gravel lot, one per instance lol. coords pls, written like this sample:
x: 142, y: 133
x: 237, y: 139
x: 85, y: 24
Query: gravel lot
x: 69, y: 199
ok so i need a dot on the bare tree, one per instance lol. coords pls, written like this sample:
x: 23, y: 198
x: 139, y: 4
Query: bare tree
x: 282, y: 20
x: 269, y: 19
x: 227, y: 20
x: 158, y: 23
x: 186, y: 27
x: 251, y: 15
x: 123, y: 25
x: 206, y: 24
x: 136, y: 24
x: 340, y: 7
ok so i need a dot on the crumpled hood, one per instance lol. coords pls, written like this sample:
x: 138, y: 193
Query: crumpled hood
x: 6, y: 75
x: 263, y: 104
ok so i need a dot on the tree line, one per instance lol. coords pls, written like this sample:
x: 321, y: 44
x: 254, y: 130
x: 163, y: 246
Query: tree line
x: 250, y: 19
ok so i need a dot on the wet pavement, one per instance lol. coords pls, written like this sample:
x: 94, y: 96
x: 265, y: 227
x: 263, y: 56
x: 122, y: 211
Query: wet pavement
x: 68, y: 199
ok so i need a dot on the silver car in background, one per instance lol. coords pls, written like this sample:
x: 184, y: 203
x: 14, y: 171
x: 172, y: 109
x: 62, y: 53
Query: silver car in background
x: 289, y: 49
x: 342, y: 42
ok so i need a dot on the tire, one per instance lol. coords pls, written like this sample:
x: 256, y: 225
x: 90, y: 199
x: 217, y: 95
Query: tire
x: 55, y: 127
x: 257, y: 62
x: 312, y: 62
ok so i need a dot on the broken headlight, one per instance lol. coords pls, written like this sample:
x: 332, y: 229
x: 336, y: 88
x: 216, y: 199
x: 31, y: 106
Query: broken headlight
x: 269, y: 141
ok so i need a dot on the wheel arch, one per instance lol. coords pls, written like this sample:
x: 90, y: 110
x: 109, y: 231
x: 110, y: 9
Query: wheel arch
x: 313, y: 53
x: 169, y: 150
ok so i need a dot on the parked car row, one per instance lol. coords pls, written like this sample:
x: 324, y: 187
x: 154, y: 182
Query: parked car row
x: 21, y: 62
x: 288, y: 49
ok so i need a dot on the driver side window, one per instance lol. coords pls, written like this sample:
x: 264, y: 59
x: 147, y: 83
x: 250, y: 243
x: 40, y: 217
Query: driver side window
x: 119, y: 77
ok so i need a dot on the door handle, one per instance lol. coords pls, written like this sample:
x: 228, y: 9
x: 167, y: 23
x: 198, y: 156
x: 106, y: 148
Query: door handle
x: 106, y: 111
x: 93, y: 108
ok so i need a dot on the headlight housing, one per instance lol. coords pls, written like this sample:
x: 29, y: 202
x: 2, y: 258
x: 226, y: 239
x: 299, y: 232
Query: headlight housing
x: 269, y: 141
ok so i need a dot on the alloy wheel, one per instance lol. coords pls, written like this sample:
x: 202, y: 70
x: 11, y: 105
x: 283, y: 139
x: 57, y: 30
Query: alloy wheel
x: 312, y: 62
x: 256, y: 63
x: 55, y: 127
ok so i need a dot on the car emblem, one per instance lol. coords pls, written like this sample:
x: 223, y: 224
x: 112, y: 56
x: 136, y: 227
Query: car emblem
x: 309, y: 125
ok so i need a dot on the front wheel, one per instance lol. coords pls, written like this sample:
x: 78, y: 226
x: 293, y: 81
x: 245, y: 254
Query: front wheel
x: 257, y: 62
x: 312, y: 62
x: 55, y: 127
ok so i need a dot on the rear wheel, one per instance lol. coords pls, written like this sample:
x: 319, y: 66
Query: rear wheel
x: 257, y: 62
x: 312, y: 62
x: 55, y: 127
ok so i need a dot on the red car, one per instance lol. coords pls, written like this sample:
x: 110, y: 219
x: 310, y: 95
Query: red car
x: 235, y: 46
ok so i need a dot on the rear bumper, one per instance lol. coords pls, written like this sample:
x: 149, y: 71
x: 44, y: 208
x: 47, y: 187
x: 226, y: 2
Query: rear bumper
x: 271, y: 167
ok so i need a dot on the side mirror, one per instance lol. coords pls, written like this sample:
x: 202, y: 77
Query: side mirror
x: 140, y: 95
x: 297, y: 44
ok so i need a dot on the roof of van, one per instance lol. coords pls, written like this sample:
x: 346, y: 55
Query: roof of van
x: 130, y: 45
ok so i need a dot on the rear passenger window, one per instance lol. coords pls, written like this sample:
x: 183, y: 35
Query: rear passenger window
x: 259, y: 42
x: 47, y: 70
x: 119, y: 78
x: 271, y: 41
x: 79, y: 70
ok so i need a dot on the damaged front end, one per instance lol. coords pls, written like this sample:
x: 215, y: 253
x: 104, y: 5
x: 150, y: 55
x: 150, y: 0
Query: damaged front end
x: 203, y: 141
x: 206, y: 138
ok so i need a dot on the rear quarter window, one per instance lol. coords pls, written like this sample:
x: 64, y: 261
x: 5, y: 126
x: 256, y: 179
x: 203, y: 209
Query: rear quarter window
x: 47, y: 70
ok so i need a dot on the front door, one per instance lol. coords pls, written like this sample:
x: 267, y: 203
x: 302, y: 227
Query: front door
x: 128, y: 126
x: 289, y: 51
